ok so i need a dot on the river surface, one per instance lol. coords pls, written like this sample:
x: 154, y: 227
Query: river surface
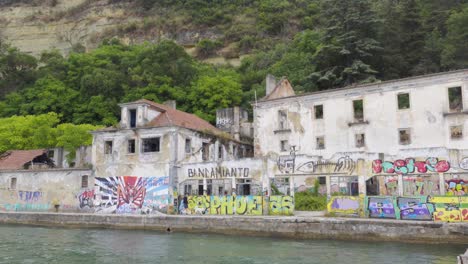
x: 25, y: 244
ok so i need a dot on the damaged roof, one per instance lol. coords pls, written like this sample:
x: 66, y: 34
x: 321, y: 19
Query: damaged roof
x: 16, y: 159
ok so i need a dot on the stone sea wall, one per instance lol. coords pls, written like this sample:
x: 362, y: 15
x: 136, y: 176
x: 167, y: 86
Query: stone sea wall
x: 289, y: 227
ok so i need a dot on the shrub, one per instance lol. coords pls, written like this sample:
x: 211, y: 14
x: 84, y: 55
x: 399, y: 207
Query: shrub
x: 307, y: 201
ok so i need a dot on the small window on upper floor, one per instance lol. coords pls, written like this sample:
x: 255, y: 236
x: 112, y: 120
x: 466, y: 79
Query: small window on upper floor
x: 282, y: 120
x: 13, y: 183
x: 284, y: 146
x: 108, y: 147
x: 132, y: 113
x: 84, y: 181
x: 320, y: 142
x: 455, y: 99
x: 151, y: 144
x: 456, y: 132
x: 318, y: 111
x: 403, y: 101
x: 404, y: 136
x: 131, y: 146
x: 360, y: 140
x: 205, y: 151
x: 358, y: 109
x: 188, y: 145
x: 50, y: 153
x: 220, y: 152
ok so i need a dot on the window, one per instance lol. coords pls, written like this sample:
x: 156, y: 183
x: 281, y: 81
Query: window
x: 13, y: 183
x: 358, y: 108
x: 151, y: 144
x: 108, y: 147
x: 284, y: 145
x: 131, y: 146
x: 132, y: 114
x: 455, y: 99
x: 403, y: 101
x: 405, y: 136
x: 205, y: 151
x: 322, y: 180
x: 360, y: 140
x: 456, y: 132
x: 320, y: 142
x: 282, y: 120
x: 188, y: 145
x: 84, y: 181
x: 50, y: 153
x: 220, y: 152
x: 188, y: 189
x: 318, y: 110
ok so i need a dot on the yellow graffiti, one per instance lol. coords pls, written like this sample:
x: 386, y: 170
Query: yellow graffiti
x: 450, y: 209
x: 350, y: 205
x: 281, y: 205
x: 225, y: 205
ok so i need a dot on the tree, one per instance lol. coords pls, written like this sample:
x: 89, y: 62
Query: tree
x: 17, y: 69
x: 455, y: 50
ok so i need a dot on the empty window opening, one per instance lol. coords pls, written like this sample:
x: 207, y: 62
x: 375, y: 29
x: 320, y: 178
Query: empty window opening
x: 358, y: 108
x: 151, y: 144
x: 322, y: 180
x: 220, y: 152
x: 360, y: 140
x: 50, y: 153
x: 84, y: 181
x: 404, y: 136
x: 200, y: 187
x: 108, y: 147
x: 284, y: 145
x: 188, y: 145
x: 131, y: 146
x: 13, y: 183
x: 455, y: 98
x: 205, y: 151
x: 133, y: 116
x: 187, y: 189
x: 456, y: 132
x: 403, y: 101
x: 318, y: 110
x: 320, y: 142
x: 282, y: 119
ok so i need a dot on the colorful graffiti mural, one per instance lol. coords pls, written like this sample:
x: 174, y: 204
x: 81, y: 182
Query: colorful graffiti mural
x: 131, y: 195
x: 412, y: 185
x: 239, y: 205
x: 86, y: 199
x: 381, y: 207
x: 409, y: 165
x: 414, y: 208
x: 450, y: 209
x: 456, y: 187
x: 346, y: 205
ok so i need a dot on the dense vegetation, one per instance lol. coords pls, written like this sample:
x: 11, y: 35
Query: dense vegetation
x: 317, y: 44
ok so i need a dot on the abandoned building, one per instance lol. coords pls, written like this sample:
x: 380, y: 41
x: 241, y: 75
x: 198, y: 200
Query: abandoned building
x: 369, y: 138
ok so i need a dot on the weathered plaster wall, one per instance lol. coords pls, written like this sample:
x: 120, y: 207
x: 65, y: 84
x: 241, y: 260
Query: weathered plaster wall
x: 292, y: 227
x: 42, y: 190
x: 425, y: 118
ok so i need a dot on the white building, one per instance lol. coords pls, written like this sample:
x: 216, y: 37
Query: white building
x: 346, y: 131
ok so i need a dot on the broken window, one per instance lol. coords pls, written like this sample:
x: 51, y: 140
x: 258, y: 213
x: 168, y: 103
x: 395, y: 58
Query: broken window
x: 131, y: 146
x: 187, y: 189
x: 284, y: 145
x: 360, y: 140
x: 403, y: 101
x: 455, y: 98
x: 318, y: 110
x: 456, y: 132
x: 13, y: 183
x: 188, y: 145
x: 282, y: 120
x: 320, y: 142
x: 358, y: 108
x: 84, y: 181
x: 405, y: 136
x: 50, y: 153
x: 322, y: 180
x: 220, y: 152
x: 108, y: 147
x: 132, y: 115
x: 205, y: 151
x: 151, y: 144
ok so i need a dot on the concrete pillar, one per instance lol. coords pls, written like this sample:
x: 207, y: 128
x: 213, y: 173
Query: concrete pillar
x: 400, y: 184
x: 291, y: 185
x: 328, y: 183
x: 233, y: 185
x: 362, y: 185
x: 205, y: 187
x: 441, y: 184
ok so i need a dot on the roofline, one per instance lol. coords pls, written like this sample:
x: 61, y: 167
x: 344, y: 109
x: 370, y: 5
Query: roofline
x: 45, y: 170
x: 350, y: 87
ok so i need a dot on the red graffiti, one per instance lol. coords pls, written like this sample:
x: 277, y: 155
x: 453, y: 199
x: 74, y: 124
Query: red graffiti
x: 87, y: 194
x: 132, y: 191
x: 409, y: 165
x: 464, y: 213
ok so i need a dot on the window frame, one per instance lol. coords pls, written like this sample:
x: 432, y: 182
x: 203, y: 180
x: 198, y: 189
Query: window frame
x: 142, y: 145
x: 83, y: 177
x: 188, y: 146
x: 13, y: 183
x: 284, y: 145
x: 398, y: 101
x: 399, y: 136
x: 317, y: 142
x: 283, y: 125
x: 461, y: 97
x: 315, y: 112
x: 354, y: 112
x: 356, y: 140
x: 134, y: 146
x: 451, y: 135
x: 108, y: 148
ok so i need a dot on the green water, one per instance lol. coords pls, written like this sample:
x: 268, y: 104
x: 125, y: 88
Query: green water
x: 24, y: 244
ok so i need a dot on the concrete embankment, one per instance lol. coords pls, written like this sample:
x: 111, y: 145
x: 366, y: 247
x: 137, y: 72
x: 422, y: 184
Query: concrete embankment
x: 291, y: 227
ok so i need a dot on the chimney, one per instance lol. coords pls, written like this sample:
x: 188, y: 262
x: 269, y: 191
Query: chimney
x: 270, y: 84
x: 170, y: 103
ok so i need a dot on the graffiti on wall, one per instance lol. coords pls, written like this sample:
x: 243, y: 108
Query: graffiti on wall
x: 414, y: 208
x: 22, y: 200
x: 463, y: 164
x: 86, y: 199
x: 381, y: 207
x: 412, y: 185
x: 239, y: 205
x: 130, y: 194
x: 287, y: 164
x: 450, y: 209
x: 409, y: 165
x: 29, y: 196
x: 348, y: 205
x: 218, y: 172
x: 456, y: 187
